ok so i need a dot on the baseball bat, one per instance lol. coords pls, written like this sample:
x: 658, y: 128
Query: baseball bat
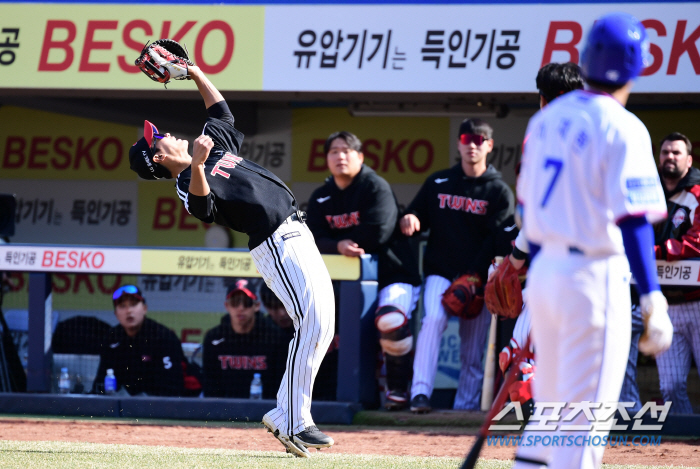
x: 473, y: 455
x: 490, y: 365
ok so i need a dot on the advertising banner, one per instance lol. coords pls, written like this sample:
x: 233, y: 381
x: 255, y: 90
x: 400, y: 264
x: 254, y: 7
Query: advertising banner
x: 74, y: 212
x: 164, y: 221
x: 94, y: 46
x: 78, y: 259
x: 401, y: 150
x: 460, y: 48
x: 47, y: 145
x: 192, y: 262
x: 271, y: 146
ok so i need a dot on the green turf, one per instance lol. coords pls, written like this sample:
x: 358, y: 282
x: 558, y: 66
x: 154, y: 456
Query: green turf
x: 60, y: 455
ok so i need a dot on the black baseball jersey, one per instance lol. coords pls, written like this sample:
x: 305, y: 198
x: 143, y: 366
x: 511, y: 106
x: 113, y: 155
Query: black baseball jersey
x: 230, y: 359
x: 243, y: 196
x: 463, y: 215
x: 366, y: 212
x: 505, y: 239
x: 150, y: 362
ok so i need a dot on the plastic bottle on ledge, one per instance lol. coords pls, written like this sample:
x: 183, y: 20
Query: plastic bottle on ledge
x: 110, y: 382
x: 78, y: 386
x: 64, y: 381
x: 256, y: 388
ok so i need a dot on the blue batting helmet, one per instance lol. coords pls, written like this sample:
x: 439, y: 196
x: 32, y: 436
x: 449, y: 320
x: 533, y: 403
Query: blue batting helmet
x: 616, y: 51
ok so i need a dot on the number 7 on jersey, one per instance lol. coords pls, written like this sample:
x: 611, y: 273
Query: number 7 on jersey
x: 557, y: 164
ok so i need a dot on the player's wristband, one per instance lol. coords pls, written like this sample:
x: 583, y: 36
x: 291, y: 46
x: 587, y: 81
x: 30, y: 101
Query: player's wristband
x: 518, y: 254
x: 534, y: 249
x: 638, y: 238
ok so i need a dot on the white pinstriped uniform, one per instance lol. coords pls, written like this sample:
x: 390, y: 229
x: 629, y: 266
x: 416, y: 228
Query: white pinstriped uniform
x: 403, y: 296
x: 472, y: 334
x: 674, y: 363
x: 292, y: 267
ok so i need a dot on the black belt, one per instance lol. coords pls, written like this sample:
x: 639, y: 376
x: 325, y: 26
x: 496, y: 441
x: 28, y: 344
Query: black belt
x: 297, y: 216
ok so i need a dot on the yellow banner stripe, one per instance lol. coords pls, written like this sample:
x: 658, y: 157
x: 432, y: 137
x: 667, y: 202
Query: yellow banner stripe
x: 227, y: 263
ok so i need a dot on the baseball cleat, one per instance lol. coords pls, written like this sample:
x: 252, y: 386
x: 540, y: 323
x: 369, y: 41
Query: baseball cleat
x: 420, y: 404
x: 297, y: 450
x: 312, y: 437
x: 396, y: 400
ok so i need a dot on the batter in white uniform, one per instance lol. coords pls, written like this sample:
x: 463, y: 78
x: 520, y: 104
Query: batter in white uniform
x: 589, y: 189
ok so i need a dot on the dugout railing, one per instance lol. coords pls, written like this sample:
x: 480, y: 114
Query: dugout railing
x: 355, y: 278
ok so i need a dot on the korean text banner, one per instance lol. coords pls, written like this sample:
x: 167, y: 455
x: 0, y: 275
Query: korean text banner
x: 94, y: 46
x: 461, y: 48
x: 74, y: 212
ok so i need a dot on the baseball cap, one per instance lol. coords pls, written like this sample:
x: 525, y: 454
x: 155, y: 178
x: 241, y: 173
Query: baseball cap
x: 127, y: 290
x: 141, y: 155
x: 240, y: 285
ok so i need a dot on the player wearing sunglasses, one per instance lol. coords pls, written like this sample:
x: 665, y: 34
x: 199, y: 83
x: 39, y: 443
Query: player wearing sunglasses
x: 146, y: 356
x: 242, y: 344
x: 463, y: 207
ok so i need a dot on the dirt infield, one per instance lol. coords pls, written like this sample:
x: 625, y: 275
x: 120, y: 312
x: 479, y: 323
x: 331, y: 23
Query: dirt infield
x: 414, y: 441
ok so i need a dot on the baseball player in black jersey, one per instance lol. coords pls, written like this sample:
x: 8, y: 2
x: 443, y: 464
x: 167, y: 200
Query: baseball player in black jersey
x: 355, y: 212
x: 146, y: 356
x: 463, y: 207
x: 244, y: 343
x: 218, y: 186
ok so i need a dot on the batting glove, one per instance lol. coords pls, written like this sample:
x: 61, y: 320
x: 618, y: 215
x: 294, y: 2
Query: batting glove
x: 658, y: 330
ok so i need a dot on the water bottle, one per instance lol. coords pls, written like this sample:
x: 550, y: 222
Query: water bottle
x: 64, y: 381
x: 110, y: 382
x: 256, y: 387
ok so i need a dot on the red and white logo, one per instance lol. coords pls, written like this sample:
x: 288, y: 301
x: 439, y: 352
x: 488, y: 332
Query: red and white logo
x: 678, y: 217
x: 342, y: 221
x: 226, y: 161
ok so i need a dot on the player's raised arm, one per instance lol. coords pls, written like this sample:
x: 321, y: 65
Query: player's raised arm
x: 206, y: 88
x: 200, y: 152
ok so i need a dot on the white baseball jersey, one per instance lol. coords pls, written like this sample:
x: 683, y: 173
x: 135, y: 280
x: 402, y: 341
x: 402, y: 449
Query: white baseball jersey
x: 587, y: 163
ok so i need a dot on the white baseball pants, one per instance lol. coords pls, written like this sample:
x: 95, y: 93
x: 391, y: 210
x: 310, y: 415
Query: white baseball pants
x: 293, y: 268
x: 581, y: 327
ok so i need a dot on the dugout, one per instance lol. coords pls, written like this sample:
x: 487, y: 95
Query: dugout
x: 402, y: 77
x: 35, y: 265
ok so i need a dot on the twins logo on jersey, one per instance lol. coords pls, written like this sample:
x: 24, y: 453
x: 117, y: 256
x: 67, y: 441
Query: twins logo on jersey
x: 345, y: 220
x: 226, y: 161
x: 466, y: 204
x: 243, y: 362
